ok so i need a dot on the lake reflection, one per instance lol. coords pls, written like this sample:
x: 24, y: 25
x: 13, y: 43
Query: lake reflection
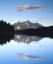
x: 39, y: 50
x: 26, y: 39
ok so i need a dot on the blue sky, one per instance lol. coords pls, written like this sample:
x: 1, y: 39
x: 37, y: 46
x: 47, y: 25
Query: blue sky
x: 44, y: 15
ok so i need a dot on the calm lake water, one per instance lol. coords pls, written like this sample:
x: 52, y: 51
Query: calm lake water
x: 27, y: 50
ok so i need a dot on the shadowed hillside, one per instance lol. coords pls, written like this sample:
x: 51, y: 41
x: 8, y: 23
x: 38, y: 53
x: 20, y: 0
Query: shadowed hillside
x: 44, y: 32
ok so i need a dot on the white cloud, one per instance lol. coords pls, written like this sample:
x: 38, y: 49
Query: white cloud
x: 25, y: 7
x: 42, y: 18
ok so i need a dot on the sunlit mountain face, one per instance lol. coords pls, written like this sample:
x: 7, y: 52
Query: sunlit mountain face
x: 26, y: 24
x: 26, y: 39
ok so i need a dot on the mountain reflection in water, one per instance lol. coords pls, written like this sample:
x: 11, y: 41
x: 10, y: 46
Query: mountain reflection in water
x: 6, y: 37
x: 26, y: 39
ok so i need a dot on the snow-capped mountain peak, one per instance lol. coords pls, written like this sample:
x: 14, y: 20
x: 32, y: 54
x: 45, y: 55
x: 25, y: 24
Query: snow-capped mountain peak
x: 27, y: 24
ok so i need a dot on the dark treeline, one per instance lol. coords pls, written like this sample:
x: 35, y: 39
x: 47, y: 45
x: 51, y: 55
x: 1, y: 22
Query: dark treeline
x: 4, y: 38
x: 6, y: 27
x: 6, y: 32
x: 43, y: 32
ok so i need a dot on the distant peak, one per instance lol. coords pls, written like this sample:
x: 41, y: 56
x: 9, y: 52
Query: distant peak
x: 19, y: 21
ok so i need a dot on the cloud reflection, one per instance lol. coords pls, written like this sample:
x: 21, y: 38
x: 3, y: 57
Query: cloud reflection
x: 27, y: 57
x: 42, y: 46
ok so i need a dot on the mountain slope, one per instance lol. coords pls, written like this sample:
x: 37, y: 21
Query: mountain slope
x: 26, y: 24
